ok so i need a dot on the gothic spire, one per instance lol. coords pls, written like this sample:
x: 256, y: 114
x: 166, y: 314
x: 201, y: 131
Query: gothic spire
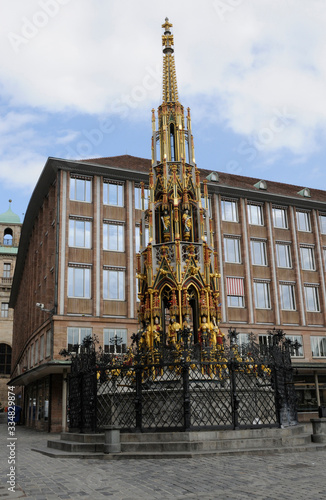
x: 170, y: 89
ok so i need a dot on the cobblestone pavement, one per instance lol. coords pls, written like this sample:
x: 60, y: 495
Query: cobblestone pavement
x: 283, y: 476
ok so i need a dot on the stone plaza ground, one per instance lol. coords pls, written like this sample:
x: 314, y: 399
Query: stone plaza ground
x: 280, y: 476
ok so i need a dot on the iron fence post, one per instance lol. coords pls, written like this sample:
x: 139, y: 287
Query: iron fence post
x: 138, y: 399
x: 186, y: 396
x: 234, y: 396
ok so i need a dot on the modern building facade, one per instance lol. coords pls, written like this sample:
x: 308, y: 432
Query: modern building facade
x: 10, y: 226
x: 76, y: 267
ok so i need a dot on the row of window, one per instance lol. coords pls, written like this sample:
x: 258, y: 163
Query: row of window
x: 79, y: 283
x: 318, y: 344
x: 259, y: 254
x: 280, y: 218
x: 35, y: 352
x: 235, y: 295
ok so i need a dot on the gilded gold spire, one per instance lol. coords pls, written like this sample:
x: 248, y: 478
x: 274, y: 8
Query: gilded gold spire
x: 170, y: 89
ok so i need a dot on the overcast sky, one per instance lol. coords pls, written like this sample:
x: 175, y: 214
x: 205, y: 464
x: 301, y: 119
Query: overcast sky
x: 78, y: 79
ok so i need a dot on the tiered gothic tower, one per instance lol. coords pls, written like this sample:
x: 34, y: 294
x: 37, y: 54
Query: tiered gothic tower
x: 177, y: 270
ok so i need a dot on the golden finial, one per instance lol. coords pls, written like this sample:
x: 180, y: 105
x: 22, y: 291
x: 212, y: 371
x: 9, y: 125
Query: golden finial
x: 170, y: 89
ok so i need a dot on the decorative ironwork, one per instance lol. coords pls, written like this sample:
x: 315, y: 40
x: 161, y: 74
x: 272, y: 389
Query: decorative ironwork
x: 183, y: 386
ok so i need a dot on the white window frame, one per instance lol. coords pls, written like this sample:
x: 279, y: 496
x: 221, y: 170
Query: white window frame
x: 262, y: 289
x: 113, y: 242
x: 109, y: 336
x: 137, y: 192
x: 76, y: 189
x: 109, y: 197
x: 322, y: 223
x: 258, y: 253
x: 235, y: 301
x: 76, y: 272
x: 229, y: 214
x: 7, y: 269
x: 255, y: 214
x: 318, y: 346
x: 311, y: 294
x: 303, y: 221
x: 310, y: 258
x: 287, y: 295
x: 280, y: 215
x: 108, y: 281
x: 77, y: 335
x: 232, y: 250
x: 4, y: 309
x: 85, y: 229
x: 287, y: 255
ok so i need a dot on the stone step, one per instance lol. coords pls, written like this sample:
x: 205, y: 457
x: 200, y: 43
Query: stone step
x: 82, y: 438
x: 71, y: 446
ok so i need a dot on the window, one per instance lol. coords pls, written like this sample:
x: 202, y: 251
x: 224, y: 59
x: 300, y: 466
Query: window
x: 41, y: 347
x: 280, y: 218
x: 48, y: 343
x: 242, y: 341
x: 4, y: 309
x: 258, y: 253
x: 312, y: 299
x: 138, y: 198
x: 322, y: 220
x: 115, y: 340
x: 296, y: 351
x: 235, y: 292
x: 303, y: 221
x: 255, y: 214
x: 36, y: 352
x: 283, y: 255
x: 113, y: 237
x: 262, y: 296
x: 113, y: 284
x: 287, y: 297
x: 8, y: 237
x: 80, y: 189
x: 76, y: 335
x: 80, y: 233
x: 79, y: 282
x: 229, y: 211
x: 5, y: 359
x: 32, y: 356
x: 6, y: 270
x: 209, y: 203
x: 113, y: 194
x: 318, y: 346
x: 137, y: 238
x: 307, y: 258
x: 324, y: 255
x: 232, y: 250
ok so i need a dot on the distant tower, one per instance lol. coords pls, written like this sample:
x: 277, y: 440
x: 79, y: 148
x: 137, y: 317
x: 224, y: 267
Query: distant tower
x: 177, y: 271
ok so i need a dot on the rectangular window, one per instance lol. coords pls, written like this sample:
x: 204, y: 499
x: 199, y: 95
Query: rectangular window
x: 262, y: 295
x: 287, y: 297
x: 235, y: 292
x: 242, y: 341
x: 4, y: 309
x: 137, y: 238
x: 303, y: 221
x: 41, y: 347
x: 80, y: 189
x: 138, y: 198
x: 115, y: 340
x: 280, y: 218
x: 113, y: 284
x: 307, y: 258
x: 76, y: 335
x: 209, y: 205
x: 6, y: 270
x: 283, y: 255
x: 113, y: 237
x: 79, y: 282
x: 258, y: 253
x: 324, y: 255
x: 32, y: 356
x: 36, y: 352
x: 318, y: 346
x: 297, y: 345
x: 312, y: 298
x: 113, y: 194
x: 80, y: 233
x: 322, y: 221
x: 229, y: 211
x: 232, y: 250
x: 48, y: 343
x: 255, y: 215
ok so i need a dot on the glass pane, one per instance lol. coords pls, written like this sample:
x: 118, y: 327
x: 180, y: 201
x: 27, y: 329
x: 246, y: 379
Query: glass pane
x: 113, y: 194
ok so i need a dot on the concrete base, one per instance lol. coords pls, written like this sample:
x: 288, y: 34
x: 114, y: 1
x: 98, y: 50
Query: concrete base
x: 112, y: 440
x: 319, y: 430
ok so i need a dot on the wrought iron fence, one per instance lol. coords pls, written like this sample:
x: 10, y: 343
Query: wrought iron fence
x: 183, y: 387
